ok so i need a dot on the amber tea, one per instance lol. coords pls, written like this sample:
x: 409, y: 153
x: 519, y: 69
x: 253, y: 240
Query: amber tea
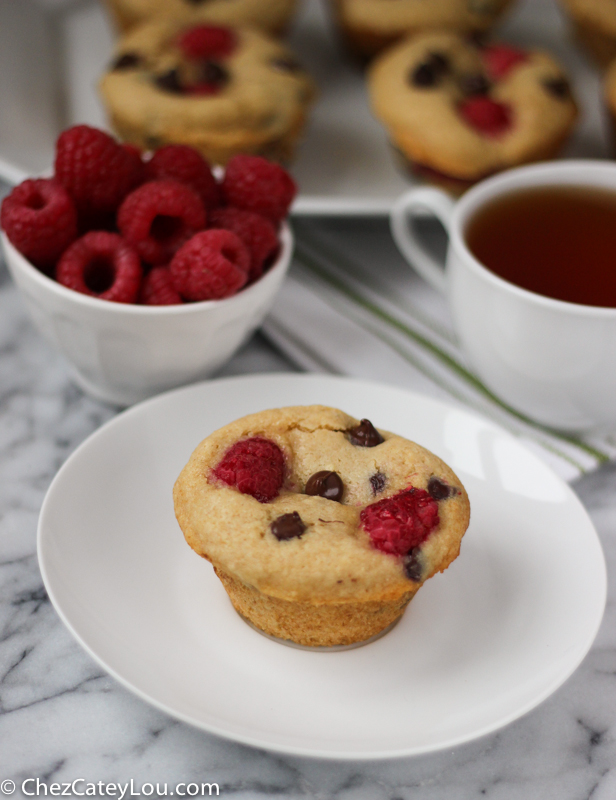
x: 557, y: 241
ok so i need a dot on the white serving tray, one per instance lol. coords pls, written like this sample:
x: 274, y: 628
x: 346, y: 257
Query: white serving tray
x: 53, y: 51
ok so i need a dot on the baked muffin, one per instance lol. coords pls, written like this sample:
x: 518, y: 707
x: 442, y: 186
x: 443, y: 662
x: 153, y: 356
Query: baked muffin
x: 320, y: 527
x: 594, y: 26
x: 220, y: 90
x: 457, y: 112
x: 369, y: 26
x: 272, y: 16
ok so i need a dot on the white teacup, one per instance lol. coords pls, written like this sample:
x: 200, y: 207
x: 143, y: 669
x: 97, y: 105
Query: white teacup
x: 553, y: 361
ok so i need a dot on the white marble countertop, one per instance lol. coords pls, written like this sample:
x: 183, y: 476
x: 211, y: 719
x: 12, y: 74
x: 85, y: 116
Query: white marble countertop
x: 62, y: 719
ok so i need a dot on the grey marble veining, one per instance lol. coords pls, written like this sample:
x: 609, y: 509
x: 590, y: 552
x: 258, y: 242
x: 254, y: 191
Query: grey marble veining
x: 62, y: 718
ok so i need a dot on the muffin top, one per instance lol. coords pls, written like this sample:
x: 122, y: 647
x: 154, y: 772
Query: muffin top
x: 307, y: 503
x: 269, y: 15
x: 204, y: 80
x: 470, y: 110
x: 390, y: 18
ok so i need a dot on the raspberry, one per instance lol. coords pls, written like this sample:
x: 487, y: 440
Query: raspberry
x: 101, y: 264
x: 158, y: 217
x: 210, y: 266
x: 95, y: 170
x: 398, y: 524
x: 486, y: 116
x: 157, y: 289
x: 181, y: 163
x: 207, y: 41
x: 258, y: 234
x: 137, y: 164
x: 39, y: 218
x: 254, y: 466
x: 501, y: 58
x: 258, y: 185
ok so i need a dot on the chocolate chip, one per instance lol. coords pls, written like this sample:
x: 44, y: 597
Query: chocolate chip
x: 365, y: 434
x: 429, y: 72
x: 286, y: 64
x: 288, y: 526
x: 169, y: 81
x: 325, y: 484
x: 126, y: 61
x: 413, y: 567
x: 474, y: 84
x: 213, y: 73
x: 558, y: 87
x: 424, y: 75
x: 440, y: 62
x: 438, y: 489
x: 195, y: 2
x: 377, y: 481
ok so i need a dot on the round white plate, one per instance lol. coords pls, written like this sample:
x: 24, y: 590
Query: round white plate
x: 479, y: 646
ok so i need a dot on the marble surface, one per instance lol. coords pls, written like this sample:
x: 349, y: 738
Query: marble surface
x: 63, y: 719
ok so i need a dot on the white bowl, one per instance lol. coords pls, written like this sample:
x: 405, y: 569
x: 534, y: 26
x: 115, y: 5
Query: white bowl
x: 123, y: 353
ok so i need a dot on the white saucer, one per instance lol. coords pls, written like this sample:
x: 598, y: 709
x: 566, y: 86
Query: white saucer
x: 479, y: 646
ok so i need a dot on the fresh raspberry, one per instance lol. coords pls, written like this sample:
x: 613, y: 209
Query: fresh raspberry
x: 137, y: 162
x: 207, y: 41
x: 101, y: 264
x: 157, y: 289
x: 158, y: 217
x: 181, y: 163
x: 500, y: 59
x: 254, y: 466
x: 486, y: 116
x: 399, y: 523
x: 95, y: 170
x: 258, y: 185
x: 211, y: 266
x: 39, y: 218
x: 258, y: 234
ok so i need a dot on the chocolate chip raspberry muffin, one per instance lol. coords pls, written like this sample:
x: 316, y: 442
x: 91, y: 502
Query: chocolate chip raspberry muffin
x: 369, y: 26
x: 594, y: 26
x: 457, y: 112
x: 220, y: 90
x: 272, y: 16
x: 320, y: 526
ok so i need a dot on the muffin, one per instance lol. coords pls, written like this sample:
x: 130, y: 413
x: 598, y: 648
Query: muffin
x: 272, y: 16
x: 594, y: 26
x: 369, y: 26
x: 220, y: 90
x: 320, y: 527
x: 457, y: 112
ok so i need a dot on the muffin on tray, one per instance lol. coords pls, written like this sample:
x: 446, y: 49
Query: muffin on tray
x: 457, y: 112
x: 369, y: 26
x: 272, y: 16
x: 594, y: 26
x: 320, y: 527
x: 220, y: 90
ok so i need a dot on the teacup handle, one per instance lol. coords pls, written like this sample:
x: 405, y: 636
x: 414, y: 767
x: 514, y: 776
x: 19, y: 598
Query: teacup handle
x: 442, y: 206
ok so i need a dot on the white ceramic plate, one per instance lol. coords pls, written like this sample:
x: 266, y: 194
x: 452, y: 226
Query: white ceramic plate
x: 344, y: 165
x: 478, y: 647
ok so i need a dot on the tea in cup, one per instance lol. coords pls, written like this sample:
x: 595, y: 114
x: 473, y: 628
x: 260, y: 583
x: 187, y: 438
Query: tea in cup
x: 530, y: 274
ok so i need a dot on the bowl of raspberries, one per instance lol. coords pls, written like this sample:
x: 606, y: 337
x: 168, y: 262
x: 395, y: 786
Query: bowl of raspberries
x: 147, y: 272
